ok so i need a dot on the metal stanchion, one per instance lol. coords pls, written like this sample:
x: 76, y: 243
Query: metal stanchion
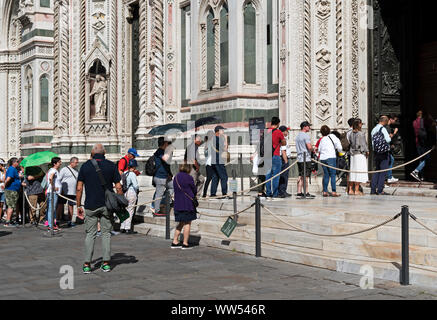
x: 304, y: 175
x: 405, y: 271
x: 167, y: 216
x: 257, y: 227
x: 234, y: 195
x: 240, y: 160
x: 52, y: 199
x: 23, y: 213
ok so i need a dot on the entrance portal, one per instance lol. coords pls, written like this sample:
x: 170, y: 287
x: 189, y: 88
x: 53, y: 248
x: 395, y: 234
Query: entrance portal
x: 404, y: 71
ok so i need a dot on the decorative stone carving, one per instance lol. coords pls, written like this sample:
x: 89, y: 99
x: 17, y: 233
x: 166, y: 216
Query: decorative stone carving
x: 323, y: 110
x: 323, y: 8
x: 323, y: 58
x: 98, y: 95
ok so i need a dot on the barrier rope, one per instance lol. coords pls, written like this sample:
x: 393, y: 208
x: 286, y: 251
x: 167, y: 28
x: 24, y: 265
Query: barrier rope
x: 420, y: 223
x: 376, y: 171
x: 30, y: 205
x: 332, y: 235
x: 226, y: 216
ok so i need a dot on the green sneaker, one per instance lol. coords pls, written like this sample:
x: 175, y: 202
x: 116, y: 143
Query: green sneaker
x: 86, y: 269
x: 105, y: 267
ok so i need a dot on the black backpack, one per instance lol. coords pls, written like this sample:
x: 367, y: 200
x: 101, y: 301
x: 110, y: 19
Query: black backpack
x: 422, y: 135
x: 151, y: 166
x: 380, y: 145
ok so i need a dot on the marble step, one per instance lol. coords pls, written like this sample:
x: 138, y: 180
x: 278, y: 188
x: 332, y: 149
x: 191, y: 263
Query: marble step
x: 389, y: 233
x: 341, y: 262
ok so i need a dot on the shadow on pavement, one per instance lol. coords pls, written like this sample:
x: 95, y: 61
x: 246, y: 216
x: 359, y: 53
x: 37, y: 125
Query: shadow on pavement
x: 4, y: 233
x: 116, y: 259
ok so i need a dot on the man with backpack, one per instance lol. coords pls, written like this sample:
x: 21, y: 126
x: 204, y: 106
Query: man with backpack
x: 68, y: 178
x: 162, y: 176
x: 381, y: 147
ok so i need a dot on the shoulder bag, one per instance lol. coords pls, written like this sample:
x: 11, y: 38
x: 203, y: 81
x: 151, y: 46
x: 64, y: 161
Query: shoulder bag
x: 114, y: 202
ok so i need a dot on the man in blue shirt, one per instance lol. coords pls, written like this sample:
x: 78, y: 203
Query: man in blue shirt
x: 382, y: 160
x: 12, y: 188
x: 95, y: 208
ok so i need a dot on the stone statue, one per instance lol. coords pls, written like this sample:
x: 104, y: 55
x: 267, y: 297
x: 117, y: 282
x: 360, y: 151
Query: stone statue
x: 99, y: 92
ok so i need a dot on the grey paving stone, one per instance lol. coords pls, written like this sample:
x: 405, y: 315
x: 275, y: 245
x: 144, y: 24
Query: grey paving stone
x: 147, y: 269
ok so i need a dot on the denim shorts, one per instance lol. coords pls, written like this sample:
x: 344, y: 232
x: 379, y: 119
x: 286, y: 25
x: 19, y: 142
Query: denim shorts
x: 2, y: 197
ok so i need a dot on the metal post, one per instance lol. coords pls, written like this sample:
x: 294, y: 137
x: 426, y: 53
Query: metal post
x: 167, y: 216
x: 241, y: 172
x: 37, y: 212
x: 304, y: 175
x: 405, y: 271
x: 234, y: 195
x: 52, y: 199
x: 257, y: 227
x: 23, y: 213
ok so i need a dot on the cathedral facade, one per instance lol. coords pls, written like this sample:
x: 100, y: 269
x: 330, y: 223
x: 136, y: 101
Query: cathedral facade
x: 73, y: 73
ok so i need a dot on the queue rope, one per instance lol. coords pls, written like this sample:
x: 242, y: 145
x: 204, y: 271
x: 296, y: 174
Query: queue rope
x: 423, y: 225
x: 376, y: 171
x: 332, y: 235
x: 226, y: 216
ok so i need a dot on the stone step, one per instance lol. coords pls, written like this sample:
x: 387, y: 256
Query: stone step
x: 341, y: 262
x: 314, y: 223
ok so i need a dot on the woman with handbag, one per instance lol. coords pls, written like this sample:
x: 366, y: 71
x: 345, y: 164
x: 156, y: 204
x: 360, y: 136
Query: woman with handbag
x: 359, y: 151
x: 185, y: 204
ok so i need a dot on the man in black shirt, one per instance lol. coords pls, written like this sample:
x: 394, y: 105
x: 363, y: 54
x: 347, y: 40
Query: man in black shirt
x: 95, y: 208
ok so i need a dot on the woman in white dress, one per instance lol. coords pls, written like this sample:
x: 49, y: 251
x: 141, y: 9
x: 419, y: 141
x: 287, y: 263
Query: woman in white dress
x: 359, y: 151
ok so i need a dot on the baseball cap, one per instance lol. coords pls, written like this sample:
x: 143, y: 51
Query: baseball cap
x: 218, y: 128
x: 133, y: 152
x: 305, y: 124
x: 133, y: 163
x: 284, y: 128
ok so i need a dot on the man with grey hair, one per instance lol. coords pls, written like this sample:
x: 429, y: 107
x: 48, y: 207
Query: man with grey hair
x: 68, y: 178
x: 95, y: 208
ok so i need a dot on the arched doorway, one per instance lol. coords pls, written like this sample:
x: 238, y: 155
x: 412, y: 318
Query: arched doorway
x: 403, y: 70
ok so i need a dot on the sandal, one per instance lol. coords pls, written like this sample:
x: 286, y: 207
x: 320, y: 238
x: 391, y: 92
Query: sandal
x: 325, y: 195
x: 335, y: 195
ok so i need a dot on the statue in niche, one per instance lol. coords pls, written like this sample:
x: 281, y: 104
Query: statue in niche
x: 99, y: 94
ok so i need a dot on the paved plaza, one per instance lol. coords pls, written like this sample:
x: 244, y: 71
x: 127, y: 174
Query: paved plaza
x: 146, y: 268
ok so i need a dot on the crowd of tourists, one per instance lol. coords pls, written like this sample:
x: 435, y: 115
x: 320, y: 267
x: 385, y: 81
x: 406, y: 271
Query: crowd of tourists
x: 47, y: 193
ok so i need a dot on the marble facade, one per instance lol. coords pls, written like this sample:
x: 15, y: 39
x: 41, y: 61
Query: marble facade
x: 156, y: 69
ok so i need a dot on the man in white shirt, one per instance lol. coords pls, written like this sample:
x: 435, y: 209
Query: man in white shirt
x: 382, y: 159
x: 68, y: 179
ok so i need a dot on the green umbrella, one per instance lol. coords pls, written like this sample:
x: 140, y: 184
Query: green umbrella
x: 38, y: 159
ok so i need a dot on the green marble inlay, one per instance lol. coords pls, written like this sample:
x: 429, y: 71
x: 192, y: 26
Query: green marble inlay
x: 36, y: 139
x: 250, y: 44
x: 224, y: 47
x: 44, y: 3
x: 210, y: 51
x: 44, y: 96
x: 38, y: 33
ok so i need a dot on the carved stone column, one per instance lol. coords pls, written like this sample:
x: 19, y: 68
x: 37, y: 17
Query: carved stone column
x: 144, y: 89
x: 216, y: 23
x: 203, y: 81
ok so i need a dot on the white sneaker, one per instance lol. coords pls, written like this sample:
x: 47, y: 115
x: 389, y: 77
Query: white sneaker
x: 392, y: 180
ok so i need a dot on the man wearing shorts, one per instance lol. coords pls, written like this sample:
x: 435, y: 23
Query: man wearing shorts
x: 303, y: 149
x: 13, y: 185
x: 68, y: 177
